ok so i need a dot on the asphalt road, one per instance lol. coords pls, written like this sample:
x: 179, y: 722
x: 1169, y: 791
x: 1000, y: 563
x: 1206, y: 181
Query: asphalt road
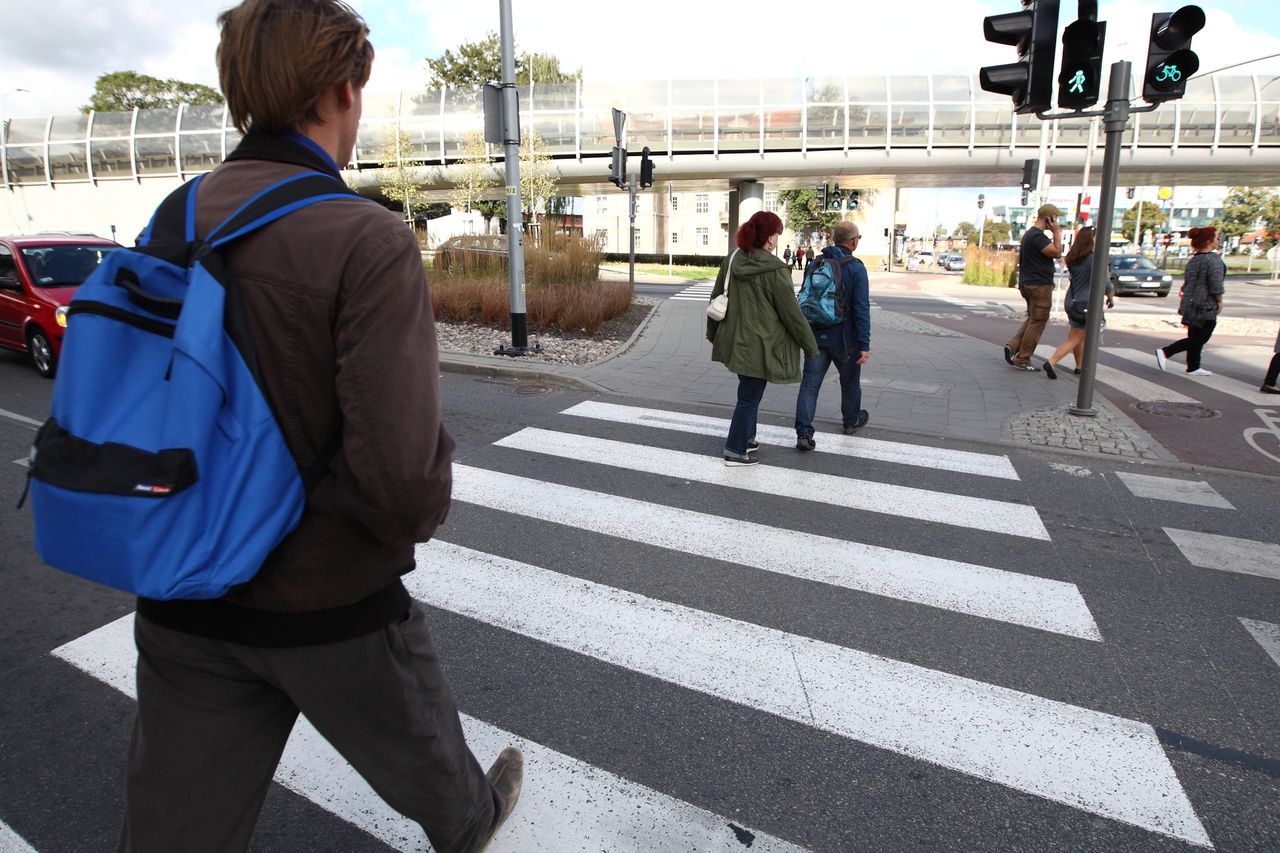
x: 887, y: 644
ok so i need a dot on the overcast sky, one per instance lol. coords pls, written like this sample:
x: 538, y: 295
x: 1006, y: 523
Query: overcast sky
x: 59, y: 47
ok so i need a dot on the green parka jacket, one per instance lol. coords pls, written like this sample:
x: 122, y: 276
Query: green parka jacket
x: 763, y: 331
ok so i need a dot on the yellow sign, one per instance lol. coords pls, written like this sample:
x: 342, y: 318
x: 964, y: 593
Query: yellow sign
x: 1165, y: 193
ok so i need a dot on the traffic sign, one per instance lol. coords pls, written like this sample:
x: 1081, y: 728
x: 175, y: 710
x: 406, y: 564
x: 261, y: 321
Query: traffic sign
x: 1165, y: 193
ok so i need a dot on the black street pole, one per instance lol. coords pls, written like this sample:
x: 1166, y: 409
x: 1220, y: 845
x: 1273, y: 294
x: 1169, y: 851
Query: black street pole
x: 1115, y: 120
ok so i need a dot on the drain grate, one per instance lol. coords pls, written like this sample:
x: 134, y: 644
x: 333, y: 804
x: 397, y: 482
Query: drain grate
x: 1186, y: 411
x: 529, y: 389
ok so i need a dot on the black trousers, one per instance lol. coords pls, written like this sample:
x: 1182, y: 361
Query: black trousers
x: 213, y: 719
x: 1273, y: 372
x: 1192, y: 344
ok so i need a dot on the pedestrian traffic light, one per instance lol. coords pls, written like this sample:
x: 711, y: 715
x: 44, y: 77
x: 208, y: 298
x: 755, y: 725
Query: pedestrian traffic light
x: 618, y: 168
x: 836, y: 198
x: 854, y: 199
x: 646, y: 169
x: 822, y: 197
x: 1029, y: 81
x: 1170, y: 60
x: 1030, y: 176
x: 982, y: 200
x: 1081, y: 76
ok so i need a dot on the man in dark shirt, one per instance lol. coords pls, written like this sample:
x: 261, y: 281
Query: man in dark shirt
x: 1041, y: 245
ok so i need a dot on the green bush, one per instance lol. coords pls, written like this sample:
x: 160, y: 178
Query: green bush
x: 984, y: 266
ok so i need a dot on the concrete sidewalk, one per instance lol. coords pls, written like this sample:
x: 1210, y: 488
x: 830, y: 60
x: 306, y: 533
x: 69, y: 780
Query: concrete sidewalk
x: 921, y: 379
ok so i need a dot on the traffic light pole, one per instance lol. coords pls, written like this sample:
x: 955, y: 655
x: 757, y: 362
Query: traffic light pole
x: 631, y: 212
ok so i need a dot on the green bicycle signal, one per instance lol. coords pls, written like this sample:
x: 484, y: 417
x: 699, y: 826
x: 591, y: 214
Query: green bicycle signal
x: 1169, y: 74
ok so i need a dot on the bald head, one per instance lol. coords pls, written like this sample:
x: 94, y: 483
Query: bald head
x: 845, y: 234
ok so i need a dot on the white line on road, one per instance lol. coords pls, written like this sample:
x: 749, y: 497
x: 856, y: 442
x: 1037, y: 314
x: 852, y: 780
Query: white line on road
x: 1139, y: 389
x: 1267, y: 634
x: 1085, y: 759
x: 12, y: 842
x: 1227, y: 553
x: 1012, y: 519
x: 1195, y: 492
x: 563, y: 798
x: 988, y: 593
x: 22, y: 419
x: 983, y: 464
x: 1222, y: 384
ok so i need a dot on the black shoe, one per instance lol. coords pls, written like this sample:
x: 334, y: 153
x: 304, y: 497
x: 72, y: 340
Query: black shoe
x: 1030, y: 368
x: 739, y: 461
x: 1076, y: 371
x: 863, y: 417
x: 805, y: 443
x: 1049, y: 371
x: 1269, y: 389
x: 506, y: 776
x: 1008, y: 355
x: 753, y: 446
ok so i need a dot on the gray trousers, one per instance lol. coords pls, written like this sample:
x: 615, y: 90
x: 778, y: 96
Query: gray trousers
x: 213, y: 719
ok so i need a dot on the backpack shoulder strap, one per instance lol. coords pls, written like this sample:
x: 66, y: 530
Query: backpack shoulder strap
x: 174, y: 220
x: 275, y: 202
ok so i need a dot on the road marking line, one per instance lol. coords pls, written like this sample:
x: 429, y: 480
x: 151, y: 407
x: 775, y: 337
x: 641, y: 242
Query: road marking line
x: 1267, y: 634
x: 571, y: 799
x: 1196, y: 492
x: 12, y: 842
x: 987, y: 593
x: 1227, y: 553
x: 1097, y: 762
x: 1012, y: 519
x: 1221, y: 384
x: 965, y: 462
x: 1139, y: 389
x: 22, y: 419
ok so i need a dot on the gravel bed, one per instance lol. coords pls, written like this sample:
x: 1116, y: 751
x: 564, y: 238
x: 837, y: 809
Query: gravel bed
x: 578, y: 349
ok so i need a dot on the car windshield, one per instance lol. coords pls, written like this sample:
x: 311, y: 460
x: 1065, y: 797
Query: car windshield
x: 63, y: 265
x: 1132, y: 263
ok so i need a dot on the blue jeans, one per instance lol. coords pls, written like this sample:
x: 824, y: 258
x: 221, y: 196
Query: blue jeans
x: 815, y: 369
x: 743, y: 426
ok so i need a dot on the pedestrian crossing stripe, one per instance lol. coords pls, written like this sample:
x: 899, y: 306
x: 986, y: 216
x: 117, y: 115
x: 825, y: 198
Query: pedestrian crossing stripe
x: 1089, y: 760
x: 1227, y: 553
x: 1194, y: 492
x: 12, y: 842
x: 962, y: 461
x: 1267, y: 634
x: 1222, y: 384
x: 1133, y: 386
x: 994, y: 516
x: 974, y: 590
x: 563, y: 797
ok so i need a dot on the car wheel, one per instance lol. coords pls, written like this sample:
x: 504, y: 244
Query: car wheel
x: 42, y: 354
x: 1162, y: 294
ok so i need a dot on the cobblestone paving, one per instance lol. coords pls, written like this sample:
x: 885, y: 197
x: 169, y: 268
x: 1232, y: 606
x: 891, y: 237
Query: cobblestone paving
x: 1108, y: 434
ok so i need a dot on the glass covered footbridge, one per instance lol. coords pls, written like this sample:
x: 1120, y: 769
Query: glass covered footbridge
x: 938, y: 130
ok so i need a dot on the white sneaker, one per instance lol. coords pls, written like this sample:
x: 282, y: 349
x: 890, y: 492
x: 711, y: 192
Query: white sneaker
x: 1161, y: 358
x: 1199, y: 371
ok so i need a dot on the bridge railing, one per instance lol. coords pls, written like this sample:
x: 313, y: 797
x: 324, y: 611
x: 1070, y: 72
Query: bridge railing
x: 670, y: 116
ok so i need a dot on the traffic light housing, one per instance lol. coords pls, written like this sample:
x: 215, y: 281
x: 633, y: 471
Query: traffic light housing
x: 822, y: 197
x: 835, y: 198
x: 1129, y: 192
x: 1080, y: 81
x: 1034, y: 31
x: 646, y: 169
x: 854, y: 199
x: 618, y: 167
x: 982, y: 200
x: 1170, y: 60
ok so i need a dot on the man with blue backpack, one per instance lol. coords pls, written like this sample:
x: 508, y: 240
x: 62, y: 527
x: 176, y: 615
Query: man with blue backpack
x: 836, y: 301
x: 247, y: 433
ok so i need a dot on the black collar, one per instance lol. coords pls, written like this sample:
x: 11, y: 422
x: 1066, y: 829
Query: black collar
x: 279, y: 148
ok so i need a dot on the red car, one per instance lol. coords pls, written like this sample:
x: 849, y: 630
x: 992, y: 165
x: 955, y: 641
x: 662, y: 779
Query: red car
x: 38, y: 276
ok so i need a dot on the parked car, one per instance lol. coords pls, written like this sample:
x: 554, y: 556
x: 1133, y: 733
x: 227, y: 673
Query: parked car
x: 38, y: 276
x: 1137, y: 274
x: 951, y: 262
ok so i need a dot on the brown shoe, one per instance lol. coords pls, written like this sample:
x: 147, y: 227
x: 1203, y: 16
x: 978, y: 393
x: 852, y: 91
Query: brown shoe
x: 506, y: 775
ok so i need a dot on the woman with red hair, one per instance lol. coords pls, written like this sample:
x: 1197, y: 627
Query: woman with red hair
x: 762, y: 332
x: 1202, y: 290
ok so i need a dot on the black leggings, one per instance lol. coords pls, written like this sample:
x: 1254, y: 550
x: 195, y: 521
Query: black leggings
x: 1192, y: 344
x: 1273, y: 372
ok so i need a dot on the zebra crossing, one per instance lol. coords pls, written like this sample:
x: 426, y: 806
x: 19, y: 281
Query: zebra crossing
x: 1086, y: 760
x: 700, y: 291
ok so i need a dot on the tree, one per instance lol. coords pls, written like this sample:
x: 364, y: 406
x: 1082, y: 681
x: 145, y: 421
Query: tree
x: 122, y: 91
x: 479, y: 62
x: 939, y: 232
x: 477, y: 175
x: 1152, y: 218
x: 1245, y: 209
x: 801, y: 214
x: 537, y: 183
x: 397, y: 179
x: 968, y: 231
x: 994, y: 233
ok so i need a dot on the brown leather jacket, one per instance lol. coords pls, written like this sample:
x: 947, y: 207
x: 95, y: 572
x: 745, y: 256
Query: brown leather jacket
x: 342, y: 322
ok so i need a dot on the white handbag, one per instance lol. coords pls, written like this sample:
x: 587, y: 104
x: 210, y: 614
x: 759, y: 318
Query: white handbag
x: 717, y: 307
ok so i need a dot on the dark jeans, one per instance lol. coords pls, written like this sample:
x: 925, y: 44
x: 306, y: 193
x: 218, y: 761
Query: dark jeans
x: 1273, y: 372
x: 815, y: 369
x: 743, y: 426
x: 1192, y: 344
x: 213, y: 719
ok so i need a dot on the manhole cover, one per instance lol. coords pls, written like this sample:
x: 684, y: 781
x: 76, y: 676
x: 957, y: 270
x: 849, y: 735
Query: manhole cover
x: 1187, y: 411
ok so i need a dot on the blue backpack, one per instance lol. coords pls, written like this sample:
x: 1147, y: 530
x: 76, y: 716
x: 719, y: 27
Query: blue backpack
x: 822, y: 294
x: 161, y: 470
